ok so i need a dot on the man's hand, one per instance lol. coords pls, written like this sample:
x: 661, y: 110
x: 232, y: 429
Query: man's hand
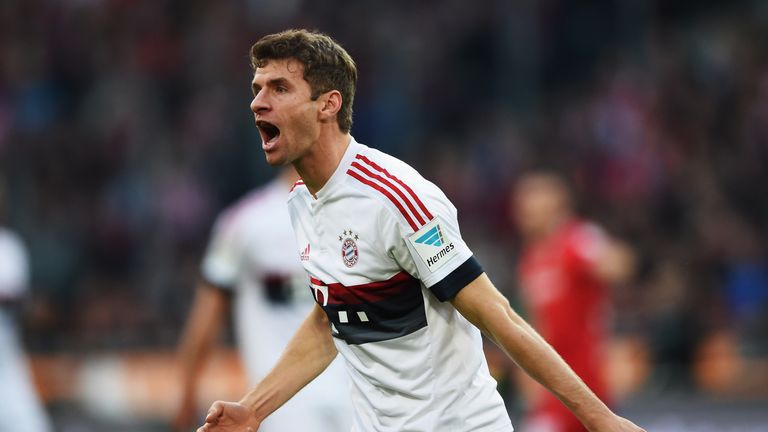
x: 229, y: 417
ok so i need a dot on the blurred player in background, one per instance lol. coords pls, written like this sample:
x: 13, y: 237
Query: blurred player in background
x: 251, y: 267
x: 20, y: 407
x: 566, y: 271
x: 399, y: 293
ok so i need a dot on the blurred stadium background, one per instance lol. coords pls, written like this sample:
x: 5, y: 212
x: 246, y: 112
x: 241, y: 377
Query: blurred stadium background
x: 124, y: 128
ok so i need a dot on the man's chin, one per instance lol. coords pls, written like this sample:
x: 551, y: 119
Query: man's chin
x: 275, y: 160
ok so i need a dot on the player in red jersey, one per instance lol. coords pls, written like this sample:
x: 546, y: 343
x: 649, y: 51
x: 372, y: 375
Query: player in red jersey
x: 566, y: 271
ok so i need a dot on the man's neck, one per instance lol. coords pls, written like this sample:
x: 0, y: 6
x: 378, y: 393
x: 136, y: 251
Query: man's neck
x: 317, y: 167
x: 553, y: 226
x: 287, y: 176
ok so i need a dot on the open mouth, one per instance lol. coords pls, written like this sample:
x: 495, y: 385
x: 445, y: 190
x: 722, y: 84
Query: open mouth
x: 269, y: 132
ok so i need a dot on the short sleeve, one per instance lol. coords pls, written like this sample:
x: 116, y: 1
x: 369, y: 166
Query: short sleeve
x: 585, y: 243
x: 435, y: 252
x: 14, y: 265
x: 221, y: 263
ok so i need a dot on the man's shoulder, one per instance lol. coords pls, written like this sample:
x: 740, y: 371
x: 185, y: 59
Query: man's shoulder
x: 266, y: 200
x: 580, y: 230
x: 395, y: 184
x: 381, y: 173
x: 10, y: 242
x: 584, y: 239
x: 386, y: 164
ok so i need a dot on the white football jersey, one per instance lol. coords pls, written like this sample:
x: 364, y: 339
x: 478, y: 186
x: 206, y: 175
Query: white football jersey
x: 252, y: 253
x: 18, y: 398
x: 14, y: 265
x: 384, y: 253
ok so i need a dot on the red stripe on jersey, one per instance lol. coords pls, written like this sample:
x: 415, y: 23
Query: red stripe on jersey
x: 298, y: 183
x: 367, y: 293
x: 375, y: 166
x: 386, y: 194
x: 394, y: 188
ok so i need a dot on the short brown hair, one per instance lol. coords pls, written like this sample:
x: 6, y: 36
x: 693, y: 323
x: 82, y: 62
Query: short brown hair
x: 327, y: 66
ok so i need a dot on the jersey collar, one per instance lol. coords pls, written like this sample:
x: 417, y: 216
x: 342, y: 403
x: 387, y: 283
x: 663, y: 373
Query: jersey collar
x: 339, y: 174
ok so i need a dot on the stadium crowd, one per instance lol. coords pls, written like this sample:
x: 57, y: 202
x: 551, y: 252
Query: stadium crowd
x: 124, y: 128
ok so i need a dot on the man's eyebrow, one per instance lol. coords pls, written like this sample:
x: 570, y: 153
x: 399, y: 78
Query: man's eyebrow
x: 277, y: 82
x: 274, y: 82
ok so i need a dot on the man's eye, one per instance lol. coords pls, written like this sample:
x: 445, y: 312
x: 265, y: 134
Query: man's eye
x: 281, y: 89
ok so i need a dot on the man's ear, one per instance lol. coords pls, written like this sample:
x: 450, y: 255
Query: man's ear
x: 330, y: 104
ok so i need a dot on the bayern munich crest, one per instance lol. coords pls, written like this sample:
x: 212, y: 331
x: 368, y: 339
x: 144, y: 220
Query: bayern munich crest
x: 349, y: 252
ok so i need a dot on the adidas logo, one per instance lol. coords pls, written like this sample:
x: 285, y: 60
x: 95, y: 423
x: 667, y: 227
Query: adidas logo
x: 304, y: 255
x: 433, y: 237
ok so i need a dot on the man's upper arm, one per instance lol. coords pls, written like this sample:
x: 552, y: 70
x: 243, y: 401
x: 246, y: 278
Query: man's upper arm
x: 606, y: 258
x: 482, y: 304
x: 418, y: 227
x: 433, y: 251
x: 616, y: 262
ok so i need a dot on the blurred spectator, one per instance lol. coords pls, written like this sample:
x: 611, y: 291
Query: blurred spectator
x: 566, y: 269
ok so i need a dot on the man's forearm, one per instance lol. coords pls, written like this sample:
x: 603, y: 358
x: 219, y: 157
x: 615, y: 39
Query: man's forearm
x: 532, y: 353
x: 308, y: 354
x: 202, y: 327
x: 485, y: 307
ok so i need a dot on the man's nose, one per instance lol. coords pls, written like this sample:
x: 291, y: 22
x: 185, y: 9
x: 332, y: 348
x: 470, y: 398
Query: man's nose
x: 259, y: 104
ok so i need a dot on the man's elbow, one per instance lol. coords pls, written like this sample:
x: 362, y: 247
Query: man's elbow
x: 500, y: 315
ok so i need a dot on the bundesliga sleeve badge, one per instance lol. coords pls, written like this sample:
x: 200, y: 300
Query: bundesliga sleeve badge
x: 432, y: 245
